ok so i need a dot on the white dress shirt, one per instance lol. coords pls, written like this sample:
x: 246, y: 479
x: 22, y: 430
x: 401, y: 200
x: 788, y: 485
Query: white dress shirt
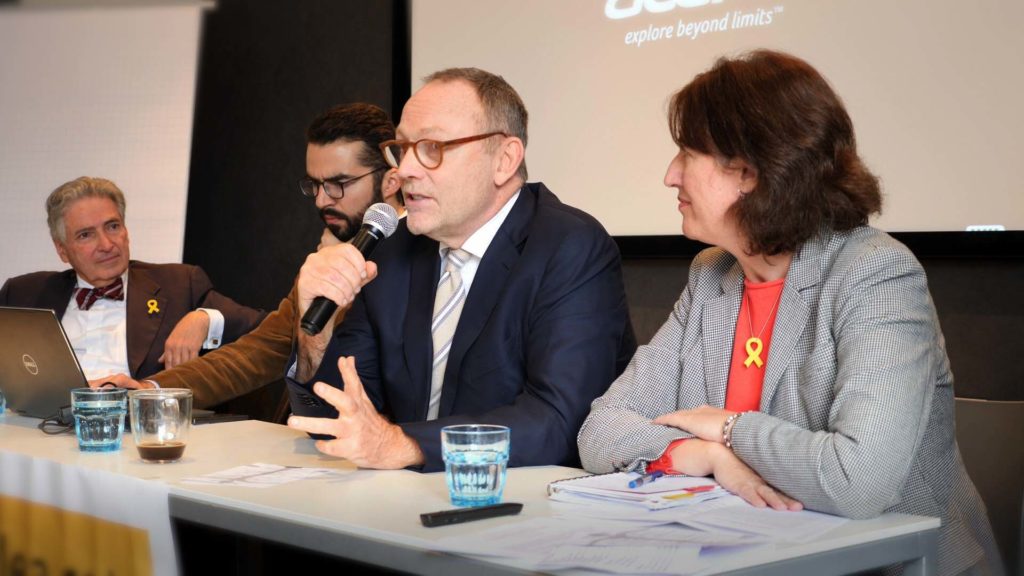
x: 476, y: 245
x: 478, y: 242
x: 99, y: 335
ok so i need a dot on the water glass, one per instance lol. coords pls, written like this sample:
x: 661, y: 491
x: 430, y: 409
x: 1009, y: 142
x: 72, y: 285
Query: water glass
x: 161, y: 420
x: 99, y: 417
x: 475, y: 461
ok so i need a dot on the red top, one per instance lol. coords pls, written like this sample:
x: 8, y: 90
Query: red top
x: 758, y: 310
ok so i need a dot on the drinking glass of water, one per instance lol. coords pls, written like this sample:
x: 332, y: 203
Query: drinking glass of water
x: 99, y: 417
x: 475, y: 461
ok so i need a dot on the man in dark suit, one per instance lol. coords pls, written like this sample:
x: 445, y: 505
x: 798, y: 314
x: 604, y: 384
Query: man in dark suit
x: 493, y: 302
x: 122, y: 315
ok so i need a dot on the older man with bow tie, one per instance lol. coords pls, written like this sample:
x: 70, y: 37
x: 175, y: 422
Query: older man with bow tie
x: 122, y: 315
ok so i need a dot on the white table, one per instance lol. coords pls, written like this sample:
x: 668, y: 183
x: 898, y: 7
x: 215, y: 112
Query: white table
x: 373, y: 516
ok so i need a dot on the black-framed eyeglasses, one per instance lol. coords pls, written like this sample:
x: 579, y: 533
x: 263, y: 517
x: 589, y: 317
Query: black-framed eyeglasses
x: 333, y: 187
x: 429, y: 153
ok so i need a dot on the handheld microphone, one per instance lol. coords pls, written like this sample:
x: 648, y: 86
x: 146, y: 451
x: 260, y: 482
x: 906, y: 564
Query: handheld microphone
x: 379, y: 222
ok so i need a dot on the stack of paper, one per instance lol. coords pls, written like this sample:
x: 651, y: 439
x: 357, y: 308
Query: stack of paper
x: 665, y: 492
x: 599, y: 523
x: 630, y: 539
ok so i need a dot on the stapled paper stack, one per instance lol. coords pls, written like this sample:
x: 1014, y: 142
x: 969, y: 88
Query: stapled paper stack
x: 666, y: 492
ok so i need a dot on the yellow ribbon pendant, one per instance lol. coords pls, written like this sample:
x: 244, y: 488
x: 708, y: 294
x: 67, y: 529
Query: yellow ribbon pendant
x: 753, y: 347
x: 153, y: 307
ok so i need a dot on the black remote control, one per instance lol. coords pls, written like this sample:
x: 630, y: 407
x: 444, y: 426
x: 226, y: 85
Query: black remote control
x: 458, y: 515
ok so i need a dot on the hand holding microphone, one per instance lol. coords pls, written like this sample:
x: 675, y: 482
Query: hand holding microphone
x: 379, y: 222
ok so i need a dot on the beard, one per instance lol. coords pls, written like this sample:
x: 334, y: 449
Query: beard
x: 347, y: 225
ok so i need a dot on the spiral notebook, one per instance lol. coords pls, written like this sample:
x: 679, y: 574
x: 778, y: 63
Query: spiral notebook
x: 665, y: 492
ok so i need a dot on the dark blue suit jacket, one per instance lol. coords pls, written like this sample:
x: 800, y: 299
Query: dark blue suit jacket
x: 544, y: 331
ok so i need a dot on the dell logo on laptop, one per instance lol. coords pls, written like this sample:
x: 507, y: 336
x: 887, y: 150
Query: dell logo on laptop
x: 30, y: 364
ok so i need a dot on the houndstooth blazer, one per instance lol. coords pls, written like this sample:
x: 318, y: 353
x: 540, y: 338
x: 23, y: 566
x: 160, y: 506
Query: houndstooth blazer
x: 856, y: 413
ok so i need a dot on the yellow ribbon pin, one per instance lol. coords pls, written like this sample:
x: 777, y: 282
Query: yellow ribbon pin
x: 753, y: 347
x: 153, y: 308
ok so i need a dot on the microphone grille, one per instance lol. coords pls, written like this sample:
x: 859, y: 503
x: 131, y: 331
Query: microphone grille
x: 382, y: 217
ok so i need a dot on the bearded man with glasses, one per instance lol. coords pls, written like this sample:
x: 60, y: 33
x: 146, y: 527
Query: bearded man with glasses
x: 345, y: 174
x: 493, y: 302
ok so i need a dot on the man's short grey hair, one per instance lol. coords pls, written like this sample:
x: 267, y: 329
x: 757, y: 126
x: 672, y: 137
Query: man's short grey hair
x: 503, y: 108
x: 58, y: 202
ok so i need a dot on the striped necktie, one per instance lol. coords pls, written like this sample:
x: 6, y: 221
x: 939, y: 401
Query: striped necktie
x: 86, y: 297
x: 451, y: 294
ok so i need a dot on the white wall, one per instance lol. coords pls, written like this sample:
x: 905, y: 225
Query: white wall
x: 103, y: 92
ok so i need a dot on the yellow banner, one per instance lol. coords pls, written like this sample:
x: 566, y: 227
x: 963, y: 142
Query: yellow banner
x: 42, y: 539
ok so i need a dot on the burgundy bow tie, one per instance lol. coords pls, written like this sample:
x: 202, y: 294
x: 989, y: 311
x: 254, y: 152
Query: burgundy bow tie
x: 86, y: 297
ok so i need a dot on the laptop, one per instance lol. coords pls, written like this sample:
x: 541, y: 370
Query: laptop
x: 38, y: 367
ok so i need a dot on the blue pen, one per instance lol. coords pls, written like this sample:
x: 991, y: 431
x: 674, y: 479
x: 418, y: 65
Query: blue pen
x: 646, y: 478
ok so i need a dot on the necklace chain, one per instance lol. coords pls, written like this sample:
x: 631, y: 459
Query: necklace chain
x: 754, y: 344
x: 750, y: 315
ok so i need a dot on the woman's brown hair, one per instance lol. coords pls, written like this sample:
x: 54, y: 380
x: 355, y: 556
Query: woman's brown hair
x: 778, y: 114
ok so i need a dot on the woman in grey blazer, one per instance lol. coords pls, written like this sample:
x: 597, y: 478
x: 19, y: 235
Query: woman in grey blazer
x: 803, y: 365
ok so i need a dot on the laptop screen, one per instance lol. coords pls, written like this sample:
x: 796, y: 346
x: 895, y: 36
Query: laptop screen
x: 38, y: 368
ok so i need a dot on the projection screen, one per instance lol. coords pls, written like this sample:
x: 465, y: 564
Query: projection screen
x: 933, y: 89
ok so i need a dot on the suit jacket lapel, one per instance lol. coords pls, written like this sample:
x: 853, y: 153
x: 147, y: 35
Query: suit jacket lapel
x: 792, y: 316
x: 719, y: 336
x: 58, y: 298
x: 145, y: 309
x: 423, y: 276
x: 486, y: 291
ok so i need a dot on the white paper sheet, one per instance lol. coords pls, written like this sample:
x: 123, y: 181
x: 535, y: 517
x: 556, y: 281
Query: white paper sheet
x: 735, y: 515
x: 609, y: 546
x: 535, y: 537
x: 260, y: 475
x: 625, y: 559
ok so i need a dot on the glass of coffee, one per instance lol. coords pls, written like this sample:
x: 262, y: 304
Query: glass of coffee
x: 161, y: 419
